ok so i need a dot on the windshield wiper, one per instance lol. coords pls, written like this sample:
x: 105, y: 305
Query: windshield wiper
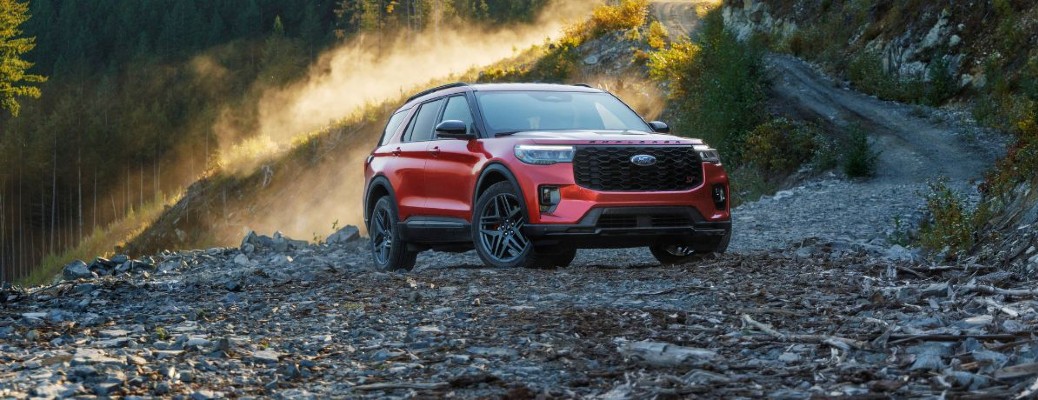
x: 506, y: 133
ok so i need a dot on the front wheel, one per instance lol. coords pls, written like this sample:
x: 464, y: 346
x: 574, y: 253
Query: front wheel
x: 388, y: 250
x: 682, y: 254
x: 498, y: 232
x: 555, y: 257
x: 675, y: 254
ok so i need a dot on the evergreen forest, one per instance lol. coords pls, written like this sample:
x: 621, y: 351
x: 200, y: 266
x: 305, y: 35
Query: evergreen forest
x: 126, y: 113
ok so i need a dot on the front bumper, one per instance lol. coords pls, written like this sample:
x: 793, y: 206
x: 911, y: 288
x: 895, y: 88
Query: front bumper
x: 621, y: 227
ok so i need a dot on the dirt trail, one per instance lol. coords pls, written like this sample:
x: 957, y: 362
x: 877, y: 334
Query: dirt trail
x: 679, y: 17
x: 916, y: 145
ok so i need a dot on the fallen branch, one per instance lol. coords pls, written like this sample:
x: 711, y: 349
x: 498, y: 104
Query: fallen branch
x: 660, y: 354
x: 771, y: 311
x: 1030, y: 391
x: 1003, y: 308
x: 835, y: 341
x: 1017, y: 371
x: 762, y: 327
x: 402, y: 385
x: 910, y: 271
x: 895, y: 339
x: 985, y: 289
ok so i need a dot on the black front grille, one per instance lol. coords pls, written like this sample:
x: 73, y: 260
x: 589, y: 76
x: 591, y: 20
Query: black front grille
x: 609, y: 168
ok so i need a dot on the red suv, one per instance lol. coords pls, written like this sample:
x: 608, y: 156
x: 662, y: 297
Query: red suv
x: 528, y: 173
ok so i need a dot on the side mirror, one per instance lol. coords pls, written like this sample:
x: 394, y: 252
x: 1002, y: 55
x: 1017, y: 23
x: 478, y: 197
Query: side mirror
x: 453, y: 129
x: 659, y: 127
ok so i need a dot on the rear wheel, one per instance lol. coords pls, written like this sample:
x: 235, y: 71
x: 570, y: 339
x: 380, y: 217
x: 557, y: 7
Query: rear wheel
x: 498, y: 232
x: 388, y: 250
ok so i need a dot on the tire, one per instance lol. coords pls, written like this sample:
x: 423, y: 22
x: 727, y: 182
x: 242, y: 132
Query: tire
x: 497, y: 232
x: 388, y: 250
x: 555, y: 257
x: 683, y: 254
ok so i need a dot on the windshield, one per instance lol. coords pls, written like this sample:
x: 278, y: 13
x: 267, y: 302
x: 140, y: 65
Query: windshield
x: 514, y: 111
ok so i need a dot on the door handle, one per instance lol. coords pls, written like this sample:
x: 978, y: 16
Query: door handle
x: 435, y: 150
x: 396, y: 152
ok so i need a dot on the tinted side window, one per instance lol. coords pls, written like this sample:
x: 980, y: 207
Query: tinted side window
x: 391, y: 127
x: 424, y: 121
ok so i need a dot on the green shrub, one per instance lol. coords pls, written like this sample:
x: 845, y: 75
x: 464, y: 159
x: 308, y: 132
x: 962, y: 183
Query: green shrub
x: 952, y: 224
x: 859, y: 160
x: 779, y: 147
x: 1021, y: 160
x: 866, y: 71
x: 723, y: 88
x: 656, y: 38
x: 826, y: 156
x: 671, y: 66
x: 748, y: 184
x: 942, y: 83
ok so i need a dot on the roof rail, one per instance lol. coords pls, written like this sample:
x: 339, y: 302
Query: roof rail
x: 582, y: 84
x: 435, y: 89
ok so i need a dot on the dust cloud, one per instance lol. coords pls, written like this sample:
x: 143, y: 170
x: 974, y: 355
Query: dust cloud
x: 370, y: 69
x: 342, y: 83
x: 641, y: 93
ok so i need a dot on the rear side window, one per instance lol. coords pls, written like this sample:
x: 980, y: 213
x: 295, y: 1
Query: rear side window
x: 424, y: 121
x: 392, y: 126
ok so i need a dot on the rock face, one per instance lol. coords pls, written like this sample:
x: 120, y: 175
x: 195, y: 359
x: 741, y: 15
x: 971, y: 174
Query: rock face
x: 1011, y: 237
x: 907, y: 52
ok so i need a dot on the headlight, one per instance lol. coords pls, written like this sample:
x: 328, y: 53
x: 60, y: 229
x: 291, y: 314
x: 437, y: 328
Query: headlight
x: 544, y: 155
x: 708, y: 155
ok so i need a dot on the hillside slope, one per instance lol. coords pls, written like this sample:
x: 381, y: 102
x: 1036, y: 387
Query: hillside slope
x: 971, y: 56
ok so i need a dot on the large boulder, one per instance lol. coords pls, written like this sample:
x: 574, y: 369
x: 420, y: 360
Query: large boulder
x: 77, y: 270
x: 345, y: 235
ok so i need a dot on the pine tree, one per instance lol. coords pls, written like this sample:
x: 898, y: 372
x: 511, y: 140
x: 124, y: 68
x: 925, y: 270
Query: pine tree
x: 12, y: 66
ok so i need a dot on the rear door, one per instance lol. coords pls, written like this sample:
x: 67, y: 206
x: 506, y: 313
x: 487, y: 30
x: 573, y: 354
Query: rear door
x: 411, y: 155
x: 451, y: 168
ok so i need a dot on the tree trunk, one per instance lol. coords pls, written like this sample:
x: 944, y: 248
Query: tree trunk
x: 21, y: 217
x: 3, y: 233
x: 43, y: 219
x: 94, y: 215
x: 115, y: 210
x: 79, y: 167
x: 54, y: 191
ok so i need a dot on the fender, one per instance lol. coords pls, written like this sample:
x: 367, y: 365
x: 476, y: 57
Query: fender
x: 379, y: 181
x: 497, y: 167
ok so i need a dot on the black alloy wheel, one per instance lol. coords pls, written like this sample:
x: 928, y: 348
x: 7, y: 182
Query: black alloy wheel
x: 498, y: 232
x: 388, y: 250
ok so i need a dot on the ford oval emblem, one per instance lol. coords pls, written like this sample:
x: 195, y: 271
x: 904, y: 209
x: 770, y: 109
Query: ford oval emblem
x: 643, y: 160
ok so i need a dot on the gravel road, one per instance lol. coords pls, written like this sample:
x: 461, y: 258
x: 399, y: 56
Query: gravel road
x: 280, y: 319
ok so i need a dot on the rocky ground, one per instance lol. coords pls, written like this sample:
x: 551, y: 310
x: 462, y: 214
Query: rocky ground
x: 277, y: 318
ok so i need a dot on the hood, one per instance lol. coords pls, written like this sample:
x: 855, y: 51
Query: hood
x: 603, y: 137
